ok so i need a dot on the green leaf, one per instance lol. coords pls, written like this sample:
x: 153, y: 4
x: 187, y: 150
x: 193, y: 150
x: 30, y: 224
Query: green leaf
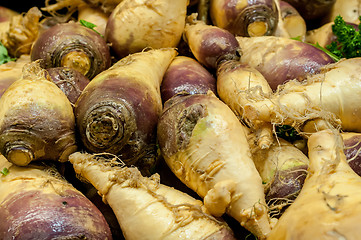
x: 4, y: 55
x: 348, y: 42
x: 335, y: 57
x: 287, y: 132
x: 5, y: 171
x: 89, y: 25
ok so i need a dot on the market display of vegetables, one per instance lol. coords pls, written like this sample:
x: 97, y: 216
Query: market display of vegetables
x: 186, y: 119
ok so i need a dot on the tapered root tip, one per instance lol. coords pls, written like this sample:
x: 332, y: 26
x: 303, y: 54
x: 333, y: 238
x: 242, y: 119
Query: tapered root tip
x: 19, y: 155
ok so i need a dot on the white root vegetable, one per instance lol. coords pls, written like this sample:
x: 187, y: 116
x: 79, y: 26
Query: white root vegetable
x: 145, y: 208
x: 332, y: 95
x: 328, y: 206
x: 205, y: 146
x: 239, y: 84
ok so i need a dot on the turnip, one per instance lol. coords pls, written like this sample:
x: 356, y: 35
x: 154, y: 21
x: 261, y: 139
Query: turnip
x: 118, y: 110
x: 205, y: 146
x: 210, y: 44
x: 283, y: 169
x: 245, y: 18
x: 146, y: 209
x: 22, y: 32
x: 281, y: 59
x: 237, y: 85
x: 72, y: 45
x: 328, y: 96
x: 328, y: 206
x: 36, y: 202
x: 135, y: 25
x: 36, y: 120
x: 69, y: 80
x: 185, y: 74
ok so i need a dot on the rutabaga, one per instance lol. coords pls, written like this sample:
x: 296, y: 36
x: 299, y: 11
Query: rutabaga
x: 36, y: 119
x: 331, y: 95
x: 146, y: 209
x: 328, y: 206
x: 36, y: 202
x: 137, y: 24
x: 205, y: 146
x: 118, y: 110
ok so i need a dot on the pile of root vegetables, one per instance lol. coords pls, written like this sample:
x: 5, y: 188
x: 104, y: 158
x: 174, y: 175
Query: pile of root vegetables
x: 186, y: 119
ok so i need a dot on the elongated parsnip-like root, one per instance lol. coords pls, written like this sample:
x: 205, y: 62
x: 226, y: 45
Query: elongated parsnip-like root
x: 332, y: 95
x: 36, y: 202
x: 239, y: 84
x: 204, y: 144
x: 328, y: 206
x: 145, y: 208
x: 118, y: 110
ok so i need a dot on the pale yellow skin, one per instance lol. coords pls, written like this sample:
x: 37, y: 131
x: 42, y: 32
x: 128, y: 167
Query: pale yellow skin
x: 217, y: 164
x: 238, y: 87
x: 25, y: 178
x: 320, y: 35
x: 27, y: 99
x: 13, y: 69
x: 332, y: 94
x: 146, y: 209
x: 38, y: 90
x: 350, y: 10
x: 219, y: 17
x: 328, y: 206
x: 93, y: 15
x: 149, y: 23
x: 281, y: 155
